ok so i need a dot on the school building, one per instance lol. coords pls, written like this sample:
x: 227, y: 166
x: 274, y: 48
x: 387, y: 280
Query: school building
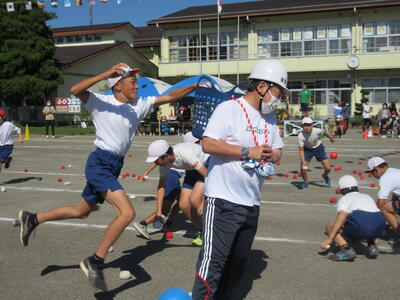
x: 336, y: 48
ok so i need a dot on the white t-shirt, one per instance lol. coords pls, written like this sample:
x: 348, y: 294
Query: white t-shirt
x: 389, y: 183
x: 310, y: 140
x: 188, y: 156
x: 116, y: 122
x: 7, y: 129
x: 365, y: 112
x: 226, y: 179
x: 356, y: 201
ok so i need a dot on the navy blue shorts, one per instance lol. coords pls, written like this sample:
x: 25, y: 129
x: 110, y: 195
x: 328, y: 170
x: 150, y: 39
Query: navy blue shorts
x: 304, y: 107
x: 191, y: 177
x: 396, y: 206
x: 102, y: 171
x: 5, y: 152
x: 363, y: 225
x: 172, y: 185
x: 318, y: 152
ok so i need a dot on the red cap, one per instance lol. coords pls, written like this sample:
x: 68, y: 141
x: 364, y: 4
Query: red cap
x: 2, y: 113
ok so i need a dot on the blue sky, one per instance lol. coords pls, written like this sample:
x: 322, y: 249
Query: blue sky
x: 138, y: 12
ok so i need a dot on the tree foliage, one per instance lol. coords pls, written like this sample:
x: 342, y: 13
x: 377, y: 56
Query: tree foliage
x: 28, y: 71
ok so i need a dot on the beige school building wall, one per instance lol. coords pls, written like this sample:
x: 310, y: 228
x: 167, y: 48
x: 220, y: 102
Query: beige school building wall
x: 372, y: 65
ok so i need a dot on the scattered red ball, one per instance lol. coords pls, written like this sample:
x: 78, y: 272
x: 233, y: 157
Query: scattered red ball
x: 26, y: 170
x: 62, y: 167
x: 373, y: 184
x: 355, y: 172
x: 139, y: 177
x: 360, y: 173
x: 332, y: 200
x: 169, y: 235
x: 59, y: 179
x: 278, y: 163
x: 130, y: 155
x: 133, y: 175
x: 269, y: 178
x: 294, y: 176
x: 337, y: 191
x: 361, y: 177
x: 334, y: 155
x: 369, y: 175
x: 286, y: 175
x: 360, y: 162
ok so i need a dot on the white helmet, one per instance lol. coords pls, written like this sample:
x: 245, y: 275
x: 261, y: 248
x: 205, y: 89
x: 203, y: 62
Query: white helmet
x: 270, y: 70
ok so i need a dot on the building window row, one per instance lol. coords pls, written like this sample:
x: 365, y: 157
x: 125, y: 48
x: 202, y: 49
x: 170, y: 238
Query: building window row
x: 384, y: 90
x: 381, y: 37
x: 77, y: 39
x: 308, y: 41
x: 322, y: 91
x: 195, y: 48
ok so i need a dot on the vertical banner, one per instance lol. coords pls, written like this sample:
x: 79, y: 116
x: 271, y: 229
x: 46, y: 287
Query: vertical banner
x: 54, y: 3
x: 67, y: 3
x: 41, y: 4
x: 219, y: 6
x: 78, y: 2
x: 10, y: 6
x: 28, y: 5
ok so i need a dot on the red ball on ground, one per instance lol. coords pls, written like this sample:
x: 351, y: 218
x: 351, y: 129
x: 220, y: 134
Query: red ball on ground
x: 269, y: 178
x: 355, y: 172
x: 334, y: 155
x: 332, y: 200
x: 59, y: 179
x: 286, y: 175
x: 373, y: 184
x: 361, y: 177
x: 26, y: 170
x: 169, y: 235
x: 130, y: 155
x: 278, y: 163
x: 360, y: 173
x: 139, y: 177
x: 62, y: 167
x: 337, y: 191
x: 294, y: 176
x: 369, y: 175
x: 133, y: 175
x: 360, y: 162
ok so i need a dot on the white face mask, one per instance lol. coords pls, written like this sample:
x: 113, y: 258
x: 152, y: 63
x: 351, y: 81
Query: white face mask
x: 271, y: 105
x: 48, y: 104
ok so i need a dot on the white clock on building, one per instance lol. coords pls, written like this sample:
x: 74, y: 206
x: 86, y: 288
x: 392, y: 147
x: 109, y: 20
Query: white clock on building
x: 353, y: 62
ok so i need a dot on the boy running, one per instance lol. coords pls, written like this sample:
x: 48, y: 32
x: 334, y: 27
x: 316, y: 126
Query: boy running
x: 310, y: 145
x: 116, y: 118
x: 6, y: 139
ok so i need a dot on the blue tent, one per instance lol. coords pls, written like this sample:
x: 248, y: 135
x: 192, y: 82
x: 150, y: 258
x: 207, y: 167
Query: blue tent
x: 220, y: 85
x: 149, y: 87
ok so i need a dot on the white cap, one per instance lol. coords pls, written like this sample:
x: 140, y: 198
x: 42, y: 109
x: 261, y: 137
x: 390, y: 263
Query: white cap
x: 374, y: 162
x: 189, y: 138
x: 306, y: 120
x: 156, y: 149
x: 270, y: 70
x: 347, y: 181
x: 127, y: 71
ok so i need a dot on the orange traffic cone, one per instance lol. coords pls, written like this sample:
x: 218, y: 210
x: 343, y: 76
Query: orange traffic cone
x: 365, y: 135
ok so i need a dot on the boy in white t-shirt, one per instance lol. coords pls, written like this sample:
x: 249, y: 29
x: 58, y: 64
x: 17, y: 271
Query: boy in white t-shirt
x: 366, y: 110
x: 185, y: 156
x: 358, y: 219
x: 116, y: 118
x: 7, y: 129
x: 310, y: 146
x: 389, y: 184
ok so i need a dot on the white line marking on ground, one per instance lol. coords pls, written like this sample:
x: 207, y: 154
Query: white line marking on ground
x: 130, y: 228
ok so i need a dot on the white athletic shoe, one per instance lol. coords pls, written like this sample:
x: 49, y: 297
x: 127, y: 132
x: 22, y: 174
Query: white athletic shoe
x: 142, y: 230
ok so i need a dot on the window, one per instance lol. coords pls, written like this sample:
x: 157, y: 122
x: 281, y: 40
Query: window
x: 381, y: 37
x: 89, y: 37
x: 322, y: 91
x: 384, y: 90
x: 194, y: 48
x: 78, y: 38
x: 308, y: 41
x: 70, y: 39
x: 59, y: 40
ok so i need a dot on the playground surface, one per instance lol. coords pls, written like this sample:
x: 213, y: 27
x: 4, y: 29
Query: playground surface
x: 284, y: 263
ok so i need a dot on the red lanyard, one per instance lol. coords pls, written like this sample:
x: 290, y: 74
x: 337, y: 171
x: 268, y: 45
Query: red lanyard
x: 251, y: 126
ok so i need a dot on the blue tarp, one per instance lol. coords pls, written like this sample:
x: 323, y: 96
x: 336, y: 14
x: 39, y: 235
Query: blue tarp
x: 148, y: 87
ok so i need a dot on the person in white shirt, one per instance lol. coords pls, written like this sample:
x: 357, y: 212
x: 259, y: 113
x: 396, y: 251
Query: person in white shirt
x: 366, y: 110
x: 116, y: 118
x: 389, y: 185
x: 172, y: 192
x: 7, y: 129
x: 310, y: 145
x: 358, y: 218
x: 185, y: 156
x: 240, y: 132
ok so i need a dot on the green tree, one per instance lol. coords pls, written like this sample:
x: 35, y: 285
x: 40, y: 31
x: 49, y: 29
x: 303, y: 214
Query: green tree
x: 28, y: 72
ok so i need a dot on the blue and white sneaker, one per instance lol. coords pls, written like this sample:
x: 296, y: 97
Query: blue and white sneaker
x: 327, y: 180
x: 346, y: 254
x: 303, y: 185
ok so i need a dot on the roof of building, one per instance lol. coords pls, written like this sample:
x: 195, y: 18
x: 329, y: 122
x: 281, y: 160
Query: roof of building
x: 92, y: 29
x: 267, y: 7
x: 148, y: 36
x: 69, y: 56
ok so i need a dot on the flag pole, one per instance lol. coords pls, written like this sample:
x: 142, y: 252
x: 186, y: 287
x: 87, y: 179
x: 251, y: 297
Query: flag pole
x: 90, y: 14
x: 218, y: 43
